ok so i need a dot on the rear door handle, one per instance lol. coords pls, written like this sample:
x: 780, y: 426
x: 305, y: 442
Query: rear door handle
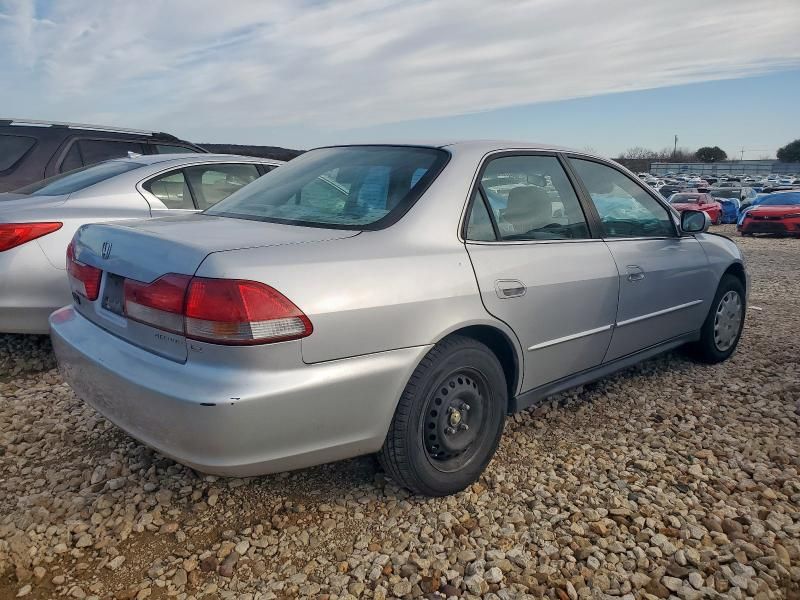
x: 635, y: 273
x: 509, y: 288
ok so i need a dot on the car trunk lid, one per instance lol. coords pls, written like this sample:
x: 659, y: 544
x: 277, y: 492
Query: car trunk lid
x: 144, y: 250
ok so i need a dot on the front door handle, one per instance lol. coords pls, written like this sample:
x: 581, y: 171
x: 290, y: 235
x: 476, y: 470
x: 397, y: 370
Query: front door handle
x: 509, y: 288
x: 635, y: 273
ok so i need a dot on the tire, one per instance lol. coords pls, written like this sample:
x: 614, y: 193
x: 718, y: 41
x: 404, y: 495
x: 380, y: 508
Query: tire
x: 722, y: 328
x: 449, y: 420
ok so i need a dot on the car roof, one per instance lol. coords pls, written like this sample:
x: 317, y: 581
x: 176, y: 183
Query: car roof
x: 152, y: 159
x: 488, y: 145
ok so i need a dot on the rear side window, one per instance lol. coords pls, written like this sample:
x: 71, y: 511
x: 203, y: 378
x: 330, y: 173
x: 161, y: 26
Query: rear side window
x: 13, y: 148
x: 74, y: 181
x: 95, y: 151
x: 212, y: 183
x: 351, y: 187
x: 172, y: 190
x: 531, y: 198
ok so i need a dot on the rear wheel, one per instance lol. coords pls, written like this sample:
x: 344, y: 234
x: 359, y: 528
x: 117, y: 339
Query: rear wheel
x: 449, y: 419
x: 723, y: 325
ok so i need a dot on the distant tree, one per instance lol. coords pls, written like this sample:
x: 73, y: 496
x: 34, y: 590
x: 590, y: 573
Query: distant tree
x: 638, y: 153
x: 710, y: 154
x: 790, y: 152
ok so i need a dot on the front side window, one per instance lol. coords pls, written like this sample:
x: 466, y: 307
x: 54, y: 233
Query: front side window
x: 212, y: 183
x: 13, y: 148
x: 172, y: 190
x: 625, y: 209
x: 531, y: 198
x: 350, y: 187
x: 72, y: 160
x: 77, y: 180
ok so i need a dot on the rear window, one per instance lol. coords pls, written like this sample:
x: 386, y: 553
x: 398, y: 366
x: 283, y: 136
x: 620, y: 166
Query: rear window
x: 74, y: 181
x: 684, y: 199
x: 353, y: 187
x: 730, y: 193
x: 13, y: 148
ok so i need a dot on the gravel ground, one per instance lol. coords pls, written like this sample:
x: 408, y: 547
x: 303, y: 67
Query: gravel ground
x: 670, y: 479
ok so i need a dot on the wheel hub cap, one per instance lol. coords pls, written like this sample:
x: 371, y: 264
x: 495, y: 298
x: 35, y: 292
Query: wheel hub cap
x: 727, y: 321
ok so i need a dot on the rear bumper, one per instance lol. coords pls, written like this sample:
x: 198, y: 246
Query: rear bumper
x: 229, y: 420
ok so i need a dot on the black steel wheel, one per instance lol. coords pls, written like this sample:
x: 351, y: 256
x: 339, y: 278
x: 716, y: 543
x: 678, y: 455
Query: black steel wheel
x: 449, y: 419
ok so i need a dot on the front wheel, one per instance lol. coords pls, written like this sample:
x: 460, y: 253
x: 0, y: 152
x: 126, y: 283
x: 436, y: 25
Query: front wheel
x: 449, y: 420
x: 722, y: 328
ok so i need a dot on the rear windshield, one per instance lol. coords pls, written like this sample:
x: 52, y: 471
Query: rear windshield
x: 684, y: 199
x: 731, y: 193
x: 352, y: 187
x: 74, y: 181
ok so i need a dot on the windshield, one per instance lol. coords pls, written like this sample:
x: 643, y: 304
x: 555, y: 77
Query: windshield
x: 684, y: 199
x: 351, y: 187
x: 787, y: 199
x: 79, y: 179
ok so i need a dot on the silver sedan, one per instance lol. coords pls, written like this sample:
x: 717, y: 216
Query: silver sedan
x: 391, y: 299
x: 38, y: 221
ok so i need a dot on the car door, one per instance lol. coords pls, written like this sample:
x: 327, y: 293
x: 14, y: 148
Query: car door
x: 665, y: 281
x: 538, y: 267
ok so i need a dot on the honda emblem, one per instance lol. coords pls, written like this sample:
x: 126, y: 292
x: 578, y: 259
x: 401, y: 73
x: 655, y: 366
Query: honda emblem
x: 106, y: 249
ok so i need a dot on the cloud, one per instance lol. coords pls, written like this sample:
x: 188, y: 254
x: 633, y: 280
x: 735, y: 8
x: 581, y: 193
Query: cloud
x: 202, y: 65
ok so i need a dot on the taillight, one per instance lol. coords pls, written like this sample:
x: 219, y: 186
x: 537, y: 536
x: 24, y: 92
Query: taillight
x: 159, y: 303
x: 16, y: 234
x: 85, y: 278
x: 222, y: 311
x: 232, y: 311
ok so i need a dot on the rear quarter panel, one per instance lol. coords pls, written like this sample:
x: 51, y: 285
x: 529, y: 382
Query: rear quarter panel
x: 365, y: 294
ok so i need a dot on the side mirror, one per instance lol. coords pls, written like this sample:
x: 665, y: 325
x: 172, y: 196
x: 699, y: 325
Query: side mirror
x: 695, y: 221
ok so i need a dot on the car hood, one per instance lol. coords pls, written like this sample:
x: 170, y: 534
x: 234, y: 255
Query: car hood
x: 777, y: 209
x: 145, y: 249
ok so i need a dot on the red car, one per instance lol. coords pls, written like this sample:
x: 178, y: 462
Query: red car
x: 777, y: 213
x: 697, y: 201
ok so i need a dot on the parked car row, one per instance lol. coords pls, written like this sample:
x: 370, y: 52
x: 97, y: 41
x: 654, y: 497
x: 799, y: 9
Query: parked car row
x: 727, y: 198
x: 389, y: 299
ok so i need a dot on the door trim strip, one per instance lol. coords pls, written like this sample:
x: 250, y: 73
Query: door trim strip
x: 581, y: 334
x: 569, y: 338
x: 658, y: 313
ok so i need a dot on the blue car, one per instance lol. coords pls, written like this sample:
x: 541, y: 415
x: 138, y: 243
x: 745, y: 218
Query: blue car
x: 730, y: 210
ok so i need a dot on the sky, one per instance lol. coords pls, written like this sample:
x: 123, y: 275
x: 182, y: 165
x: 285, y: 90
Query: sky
x: 300, y: 73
